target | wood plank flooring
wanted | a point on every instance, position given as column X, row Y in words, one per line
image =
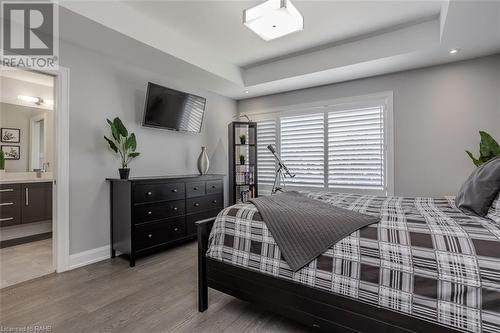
column 25, row 262
column 158, row 295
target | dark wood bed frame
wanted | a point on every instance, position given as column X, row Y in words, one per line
column 311, row 306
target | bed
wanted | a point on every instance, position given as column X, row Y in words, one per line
column 426, row 266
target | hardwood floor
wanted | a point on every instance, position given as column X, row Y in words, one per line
column 25, row 262
column 158, row 295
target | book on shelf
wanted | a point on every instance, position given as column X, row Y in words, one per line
column 246, row 193
column 245, row 178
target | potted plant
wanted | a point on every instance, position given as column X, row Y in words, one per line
column 2, row 164
column 488, row 149
column 123, row 143
column 242, row 159
column 243, row 139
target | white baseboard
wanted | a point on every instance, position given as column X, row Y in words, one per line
column 89, row 257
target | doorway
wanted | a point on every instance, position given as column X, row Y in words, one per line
column 33, row 237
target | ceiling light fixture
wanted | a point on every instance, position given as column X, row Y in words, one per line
column 246, row 91
column 30, row 99
column 453, row 51
column 273, row 19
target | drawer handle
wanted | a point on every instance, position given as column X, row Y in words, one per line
column 6, row 203
column 176, row 229
column 175, row 209
column 174, row 190
column 7, row 190
column 6, row 219
column 150, row 193
column 196, row 188
column 196, row 204
column 150, row 212
column 214, row 201
column 213, row 186
column 150, row 235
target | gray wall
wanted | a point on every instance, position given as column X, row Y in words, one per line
column 100, row 88
column 438, row 112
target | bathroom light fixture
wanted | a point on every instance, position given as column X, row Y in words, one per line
column 273, row 19
column 453, row 51
column 30, row 99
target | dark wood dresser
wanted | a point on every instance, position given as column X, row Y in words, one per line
column 150, row 214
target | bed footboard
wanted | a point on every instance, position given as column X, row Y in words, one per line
column 203, row 228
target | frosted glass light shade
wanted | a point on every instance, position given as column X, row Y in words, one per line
column 273, row 19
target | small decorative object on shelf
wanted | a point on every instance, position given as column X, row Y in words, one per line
column 242, row 161
column 203, row 161
column 122, row 143
column 2, row 165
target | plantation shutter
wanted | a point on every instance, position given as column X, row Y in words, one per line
column 266, row 166
column 302, row 148
column 356, row 148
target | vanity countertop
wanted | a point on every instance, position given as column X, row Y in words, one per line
column 26, row 177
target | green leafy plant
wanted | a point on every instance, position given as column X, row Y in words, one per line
column 488, row 149
column 242, row 159
column 122, row 142
column 2, row 160
column 243, row 139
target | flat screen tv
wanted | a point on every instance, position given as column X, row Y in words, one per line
column 174, row 110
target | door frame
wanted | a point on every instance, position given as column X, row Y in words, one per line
column 60, row 205
column 33, row 120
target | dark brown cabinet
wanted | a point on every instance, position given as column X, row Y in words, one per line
column 37, row 202
column 149, row 214
column 25, row 203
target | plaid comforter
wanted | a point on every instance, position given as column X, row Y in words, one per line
column 425, row 258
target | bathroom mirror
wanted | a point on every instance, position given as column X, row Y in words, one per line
column 37, row 143
column 27, row 137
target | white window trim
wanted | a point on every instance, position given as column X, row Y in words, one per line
column 384, row 99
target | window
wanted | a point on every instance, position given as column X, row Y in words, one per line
column 356, row 148
column 334, row 146
column 302, row 148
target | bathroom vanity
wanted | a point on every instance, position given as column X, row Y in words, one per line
column 27, row 202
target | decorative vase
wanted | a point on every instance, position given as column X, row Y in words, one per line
column 2, row 173
column 124, row 173
column 203, row 162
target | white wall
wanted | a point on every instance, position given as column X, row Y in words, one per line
column 100, row 88
column 438, row 112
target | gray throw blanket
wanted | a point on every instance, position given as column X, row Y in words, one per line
column 304, row 228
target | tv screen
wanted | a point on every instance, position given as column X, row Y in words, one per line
column 172, row 109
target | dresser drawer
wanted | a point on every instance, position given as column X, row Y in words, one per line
column 151, row 212
column 10, row 192
column 200, row 204
column 193, row 218
column 214, row 186
column 195, row 189
column 10, row 214
column 144, row 193
column 156, row 233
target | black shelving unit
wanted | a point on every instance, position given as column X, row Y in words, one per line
column 242, row 177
